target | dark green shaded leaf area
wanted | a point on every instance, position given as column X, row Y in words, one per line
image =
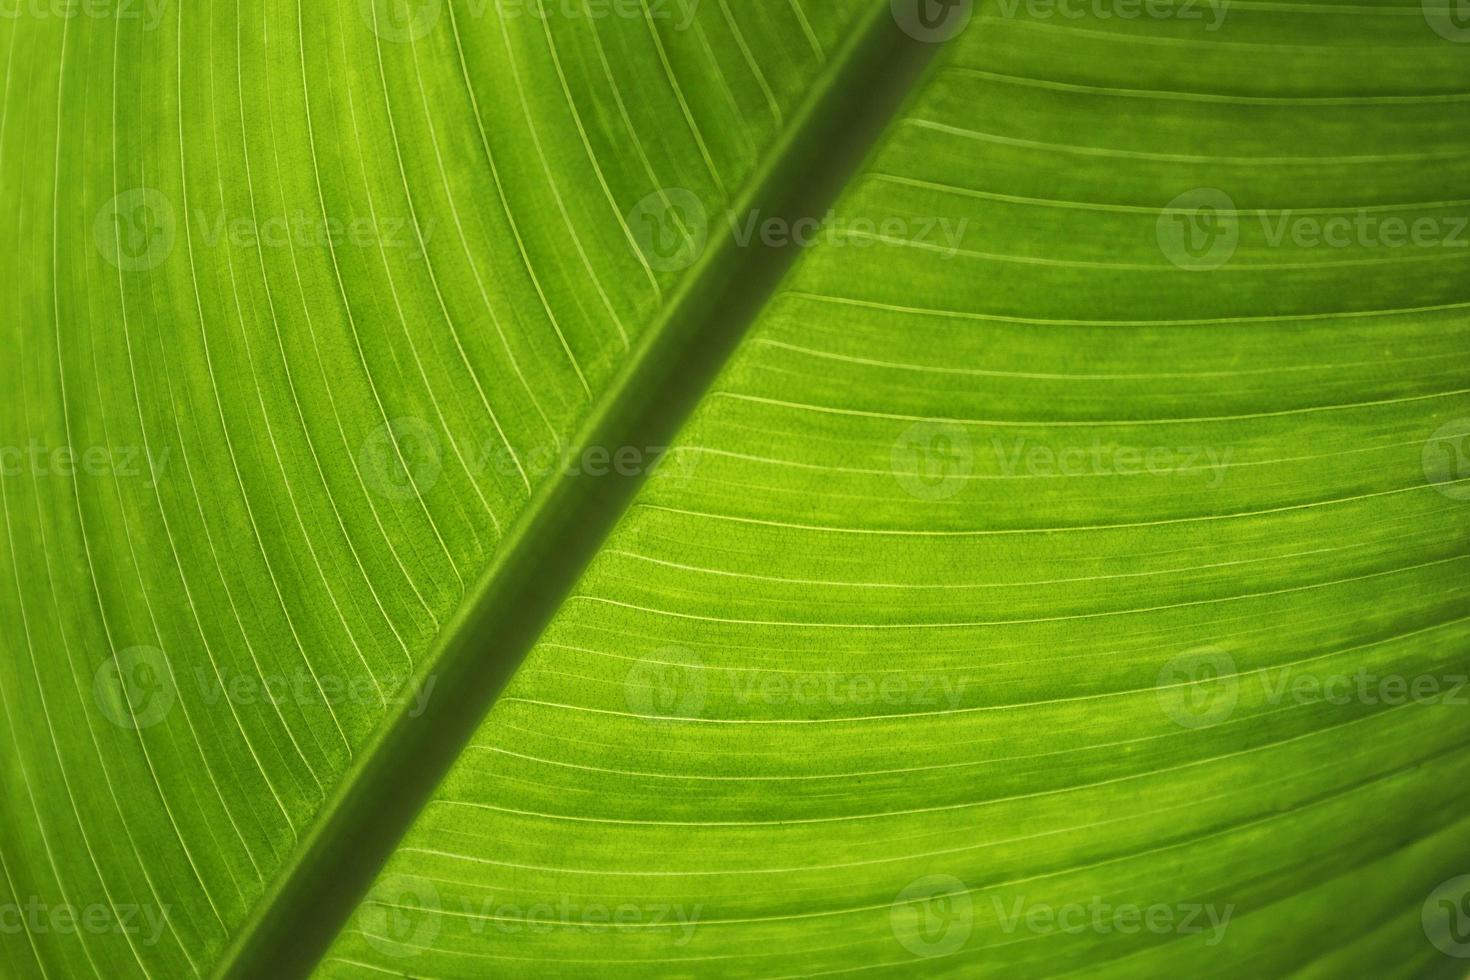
column 1068, row 572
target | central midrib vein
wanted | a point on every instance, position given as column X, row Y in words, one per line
column 562, row 528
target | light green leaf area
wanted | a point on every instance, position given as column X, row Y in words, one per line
column 1083, row 593
column 1066, row 574
column 303, row 302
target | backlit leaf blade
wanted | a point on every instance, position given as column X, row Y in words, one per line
column 306, row 300
column 1045, row 599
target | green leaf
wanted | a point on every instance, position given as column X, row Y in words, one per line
column 1066, row 571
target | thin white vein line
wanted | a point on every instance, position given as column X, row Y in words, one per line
column 957, row 646
column 948, row 807
column 951, row 252
column 361, row 155
column 143, row 430
column 372, row 384
column 1020, row 705
column 549, row 173
column 4, row 867
column 505, row 208
column 255, row 376
column 1152, row 210
column 371, row 966
column 194, row 490
column 35, row 671
column 634, row 141
column 1321, row 799
column 290, row 376
column 444, row 181
column 899, row 532
column 107, row 629
column 470, row 259
column 1121, row 154
column 1053, row 376
column 1218, row 97
column 1292, row 778
column 55, row 592
column 1003, row 622
column 1085, row 423
column 1033, row 321
column 717, row 72
column 806, row 28
column 750, row 62
column 959, row 586
column 194, row 740
column 225, row 428
column 967, row 672
column 304, row 428
column 1001, row 477
column 596, row 164
column 678, row 93
column 383, row 89
column 1259, row 821
column 1163, row 41
column 24, row 775
column 61, row 618
column 76, row 495
column 743, row 488
column 346, row 448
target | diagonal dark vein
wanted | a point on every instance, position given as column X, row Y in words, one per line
column 547, row 549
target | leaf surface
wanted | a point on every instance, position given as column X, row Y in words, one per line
column 907, row 666
column 1056, row 543
column 308, row 302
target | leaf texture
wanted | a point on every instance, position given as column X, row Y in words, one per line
column 918, row 640
column 1081, row 528
column 307, row 301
